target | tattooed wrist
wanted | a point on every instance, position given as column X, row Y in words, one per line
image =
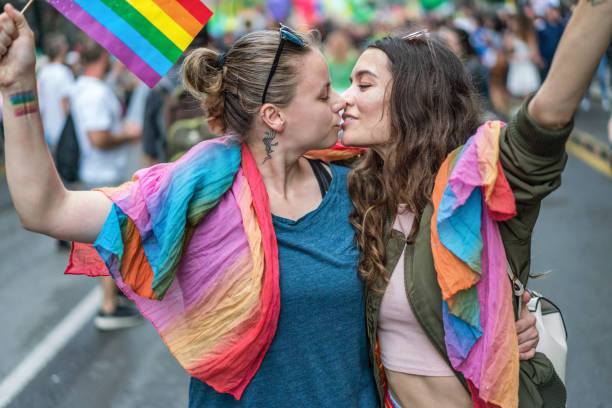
column 596, row 3
column 24, row 103
column 268, row 142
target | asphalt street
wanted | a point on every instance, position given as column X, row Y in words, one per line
column 132, row 368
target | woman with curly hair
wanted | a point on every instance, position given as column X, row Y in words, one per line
column 444, row 211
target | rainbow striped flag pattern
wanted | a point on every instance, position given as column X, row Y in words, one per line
column 24, row 103
column 148, row 36
column 470, row 195
column 192, row 244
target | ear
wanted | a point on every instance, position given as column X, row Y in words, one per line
column 273, row 117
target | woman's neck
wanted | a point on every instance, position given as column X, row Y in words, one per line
column 290, row 182
column 280, row 169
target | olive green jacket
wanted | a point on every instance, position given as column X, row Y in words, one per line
column 533, row 159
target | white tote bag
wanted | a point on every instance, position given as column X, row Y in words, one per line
column 552, row 331
column 550, row 325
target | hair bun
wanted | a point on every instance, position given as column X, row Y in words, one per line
column 204, row 80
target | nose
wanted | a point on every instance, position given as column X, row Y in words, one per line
column 347, row 96
column 338, row 103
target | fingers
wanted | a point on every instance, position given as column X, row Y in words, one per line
column 17, row 17
column 5, row 37
column 528, row 355
column 527, row 333
column 528, row 339
column 526, row 321
column 7, row 25
column 528, row 345
column 525, row 299
column 8, row 32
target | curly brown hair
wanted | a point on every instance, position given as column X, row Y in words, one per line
column 433, row 110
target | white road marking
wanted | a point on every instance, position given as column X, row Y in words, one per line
column 44, row 351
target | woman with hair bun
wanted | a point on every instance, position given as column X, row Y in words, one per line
column 444, row 211
column 240, row 253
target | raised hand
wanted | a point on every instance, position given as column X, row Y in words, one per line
column 17, row 55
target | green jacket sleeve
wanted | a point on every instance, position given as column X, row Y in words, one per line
column 532, row 158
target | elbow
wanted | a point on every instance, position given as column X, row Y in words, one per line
column 549, row 115
column 28, row 224
column 39, row 226
column 97, row 143
column 99, row 139
column 41, row 218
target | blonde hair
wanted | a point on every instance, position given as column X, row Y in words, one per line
column 231, row 94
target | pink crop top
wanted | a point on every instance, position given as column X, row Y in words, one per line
column 404, row 346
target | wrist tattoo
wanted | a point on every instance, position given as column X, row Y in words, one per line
column 596, row 3
column 268, row 139
column 24, row 103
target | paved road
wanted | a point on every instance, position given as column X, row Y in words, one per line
column 132, row 368
column 594, row 121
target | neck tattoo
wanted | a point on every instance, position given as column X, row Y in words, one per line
column 267, row 140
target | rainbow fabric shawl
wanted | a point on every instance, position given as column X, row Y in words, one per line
column 471, row 194
column 193, row 245
column 148, row 36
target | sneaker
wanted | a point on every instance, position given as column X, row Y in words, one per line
column 125, row 301
column 122, row 318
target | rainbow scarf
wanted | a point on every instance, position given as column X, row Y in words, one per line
column 193, row 245
column 470, row 195
column 148, row 36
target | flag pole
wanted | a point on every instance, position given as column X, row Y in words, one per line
column 26, row 6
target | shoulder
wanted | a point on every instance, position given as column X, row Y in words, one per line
column 92, row 89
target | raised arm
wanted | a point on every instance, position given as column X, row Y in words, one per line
column 584, row 41
column 42, row 202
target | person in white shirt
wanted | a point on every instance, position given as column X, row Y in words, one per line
column 54, row 83
column 103, row 140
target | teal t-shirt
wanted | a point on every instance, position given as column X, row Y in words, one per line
column 319, row 356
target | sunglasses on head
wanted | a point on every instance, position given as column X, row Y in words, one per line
column 286, row 34
column 417, row 35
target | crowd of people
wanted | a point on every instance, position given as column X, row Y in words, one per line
column 205, row 242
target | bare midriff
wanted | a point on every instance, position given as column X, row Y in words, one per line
column 411, row 390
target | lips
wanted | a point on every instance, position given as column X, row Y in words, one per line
column 348, row 117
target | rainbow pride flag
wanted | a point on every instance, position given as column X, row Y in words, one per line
column 148, row 36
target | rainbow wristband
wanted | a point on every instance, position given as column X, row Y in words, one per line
column 24, row 103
